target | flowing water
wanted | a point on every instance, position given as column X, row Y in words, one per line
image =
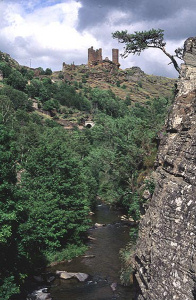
column 103, row 264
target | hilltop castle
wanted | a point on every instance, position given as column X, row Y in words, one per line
column 95, row 57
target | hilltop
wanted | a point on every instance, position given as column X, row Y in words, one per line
column 127, row 86
column 130, row 83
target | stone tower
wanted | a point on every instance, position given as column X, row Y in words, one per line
column 115, row 55
column 94, row 56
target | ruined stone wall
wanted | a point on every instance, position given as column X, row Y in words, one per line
column 94, row 56
column 165, row 257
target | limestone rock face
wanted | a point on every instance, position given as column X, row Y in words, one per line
column 187, row 82
column 165, row 258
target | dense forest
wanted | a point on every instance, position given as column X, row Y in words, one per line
column 51, row 178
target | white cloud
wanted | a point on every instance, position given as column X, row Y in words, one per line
column 44, row 32
column 151, row 61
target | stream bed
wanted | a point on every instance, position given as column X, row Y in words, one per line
column 101, row 262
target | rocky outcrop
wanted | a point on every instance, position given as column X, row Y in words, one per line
column 187, row 81
column 165, row 259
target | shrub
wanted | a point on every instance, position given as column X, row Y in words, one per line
column 48, row 71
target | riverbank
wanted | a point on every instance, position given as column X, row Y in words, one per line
column 101, row 262
column 100, row 265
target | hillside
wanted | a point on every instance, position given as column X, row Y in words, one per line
column 130, row 83
column 129, row 86
column 53, row 177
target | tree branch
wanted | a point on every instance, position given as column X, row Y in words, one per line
column 139, row 41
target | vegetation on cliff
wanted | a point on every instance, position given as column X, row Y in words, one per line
column 141, row 40
column 51, row 177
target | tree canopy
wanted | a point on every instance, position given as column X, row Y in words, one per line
column 138, row 41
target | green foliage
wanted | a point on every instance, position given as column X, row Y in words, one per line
column 36, row 118
column 67, row 95
column 48, row 71
column 134, row 231
column 16, row 80
column 128, row 100
column 5, row 68
column 61, row 76
column 140, row 40
column 55, row 177
column 84, row 79
column 68, row 253
column 127, row 269
column 18, row 98
column 9, row 215
column 8, row 288
column 33, row 89
column 6, row 110
column 51, row 123
column 44, row 210
column 48, row 210
column 107, row 102
column 42, row 89
column 51, row 104
column 122, row 149
column 41, row 71
column 28, row 74
column 118, row 83
column 80, row 85
column 134, row 206
column 47, row 81
column 150, row 185
column 43, row 94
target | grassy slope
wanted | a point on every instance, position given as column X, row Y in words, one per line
column 131, row 82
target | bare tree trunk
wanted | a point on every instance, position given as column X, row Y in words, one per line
column 174, row 62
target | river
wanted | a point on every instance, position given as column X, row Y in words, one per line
column 103, row 264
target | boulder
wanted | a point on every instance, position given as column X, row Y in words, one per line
column 68, row 275
column 113, row 286
column 98, row 225
column 146, row 194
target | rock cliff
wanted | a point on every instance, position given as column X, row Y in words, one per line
column 165, row 258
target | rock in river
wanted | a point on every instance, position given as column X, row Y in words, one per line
column 41, row 294
column 68, row 275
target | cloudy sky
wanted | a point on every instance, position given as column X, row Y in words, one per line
column 46, row 33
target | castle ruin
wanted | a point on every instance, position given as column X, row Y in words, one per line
column 95, row 57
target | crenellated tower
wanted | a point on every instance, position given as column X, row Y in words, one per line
column 95, row 58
